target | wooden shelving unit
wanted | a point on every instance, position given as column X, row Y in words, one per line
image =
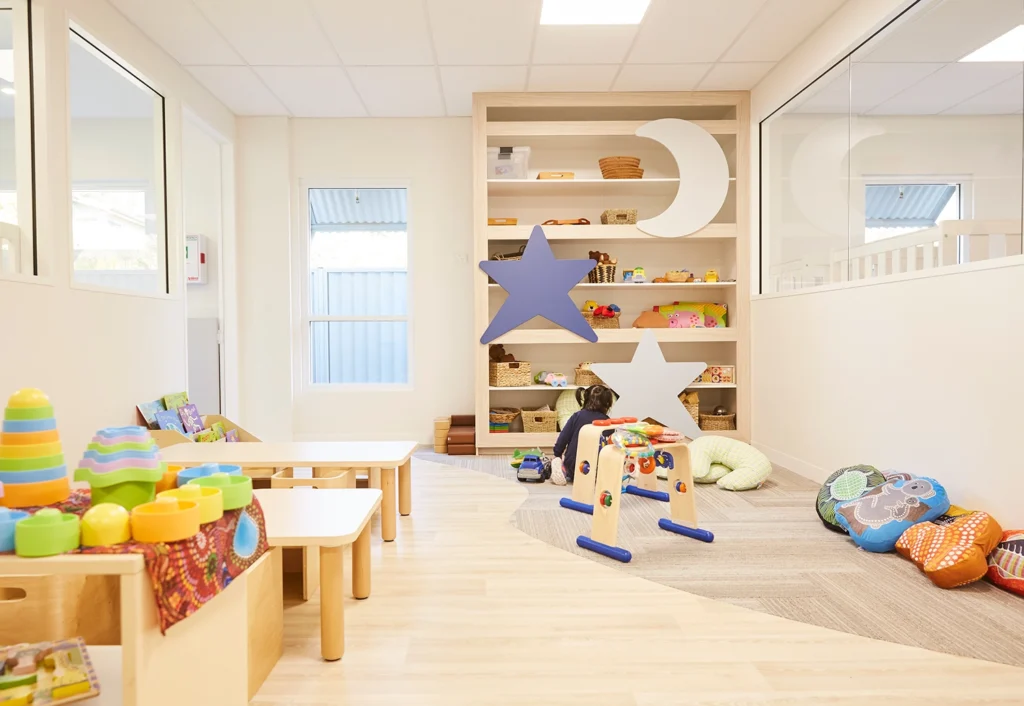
column 571, row 132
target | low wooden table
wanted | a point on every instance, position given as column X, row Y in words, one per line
column 384, row 457
column 330, row 520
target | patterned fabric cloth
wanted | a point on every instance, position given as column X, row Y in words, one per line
column 189, row 573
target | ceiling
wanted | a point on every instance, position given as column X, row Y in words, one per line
column 914, row 68
column 412, row 58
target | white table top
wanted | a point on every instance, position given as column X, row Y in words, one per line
column 317, row 454
column 308, row 517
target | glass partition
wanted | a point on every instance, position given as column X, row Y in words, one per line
column 17, row 231
column 905, row 157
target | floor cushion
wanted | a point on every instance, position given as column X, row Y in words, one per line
column 1006, row 562
column 845, row 484
column 952, row 553
column 566, row 406
column 731, row 463
column 877, row 519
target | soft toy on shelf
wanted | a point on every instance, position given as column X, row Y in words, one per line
column 711, row 276
column 498, row 355
column 606, row 312
column 554, row 379
column 589, row 306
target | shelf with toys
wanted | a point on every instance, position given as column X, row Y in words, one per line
column 574, row 164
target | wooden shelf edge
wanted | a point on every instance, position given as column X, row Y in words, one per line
column 627, row 335
column 713, row 231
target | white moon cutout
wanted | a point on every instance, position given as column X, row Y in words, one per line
column 703, row 177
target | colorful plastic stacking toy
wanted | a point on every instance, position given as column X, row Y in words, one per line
column 209, row 500
column 105, row 525
column 207, row 469
column 170, row 479
column 166, row 520
column 32, row 466
column 46, row 533
column 237, row 490
column 9, row 518
column 122, row 465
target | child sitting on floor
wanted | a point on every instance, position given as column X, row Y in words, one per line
column 596, row 401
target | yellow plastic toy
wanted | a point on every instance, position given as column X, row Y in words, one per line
column 589, row 306
column 105, row 524
column 165, row 520
column 711, row 276
column 209, row 500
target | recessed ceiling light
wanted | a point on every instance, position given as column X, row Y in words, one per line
column 1009, row 47
column 593, row 12
column 7, row 90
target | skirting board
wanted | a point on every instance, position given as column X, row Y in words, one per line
column 792, row 463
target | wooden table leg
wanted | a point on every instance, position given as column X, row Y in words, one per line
column 332, row 607
column 373, row 478
column 361, row 564
column 387, row 504
column 405, row 488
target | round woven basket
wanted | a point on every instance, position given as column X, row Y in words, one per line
column 601, row 321
column 612, row 162
column 623, row 173
column 602, row 274
column 718, row 422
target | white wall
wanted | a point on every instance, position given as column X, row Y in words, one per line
column 58, row 338
column 921, row 375
column 433, row 157
column 201, row 186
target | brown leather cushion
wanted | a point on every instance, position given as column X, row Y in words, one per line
column 463, row 420
column 461, row 435
column 461, row 449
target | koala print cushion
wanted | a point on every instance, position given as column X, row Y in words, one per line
column 876, row 519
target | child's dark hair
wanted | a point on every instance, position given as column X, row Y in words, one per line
column 596, row 398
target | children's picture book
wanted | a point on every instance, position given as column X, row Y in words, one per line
column 218, row 427
column 231, row 435
column 148, row 411
column 175, row 400
column 190, row 418
column 205, row 436
column 169, row 419
column 47, row 673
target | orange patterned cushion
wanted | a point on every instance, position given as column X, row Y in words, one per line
column 954, row 553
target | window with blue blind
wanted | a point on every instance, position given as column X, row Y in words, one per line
column 358, row 287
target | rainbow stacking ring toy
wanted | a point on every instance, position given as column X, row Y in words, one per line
column 32, row 468
column 122, row 465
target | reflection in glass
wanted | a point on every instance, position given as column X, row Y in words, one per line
column 117, row 174
column 16, row 229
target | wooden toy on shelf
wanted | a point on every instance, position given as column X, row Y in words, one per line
column 105, row 525
column 599, row 485
column 32, row 468
column 47, row 673
column 556, row 175
column 122, row 465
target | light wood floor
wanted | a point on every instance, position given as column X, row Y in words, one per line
column 468, row 611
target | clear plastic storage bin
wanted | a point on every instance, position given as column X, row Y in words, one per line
column 508, row 162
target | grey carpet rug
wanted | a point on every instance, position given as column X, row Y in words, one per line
column 772, row 554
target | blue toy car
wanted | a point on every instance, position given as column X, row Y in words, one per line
column 532, row 470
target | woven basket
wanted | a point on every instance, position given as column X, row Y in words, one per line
column 601, row 321
column 622, row 173
column 602, row 274
column 619, row 216
column 540, row 421
column 618, row 162
column 500, row 419
column 678, row 276
column 718, row 422
column 691, row 400
column 586, row 378
column 516, row 374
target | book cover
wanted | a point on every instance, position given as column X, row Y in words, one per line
column 148, row 410
column 190, row 418
column 49, row 673
column 175, row 400
column 218, row 427
column 205, row 436
column 231, row 435
column 169, row 419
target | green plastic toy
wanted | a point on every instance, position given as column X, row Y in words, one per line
column 517, row 456
column 46, row 533
column 237, row 490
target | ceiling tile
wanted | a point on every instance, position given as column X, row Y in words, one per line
column 1006, row 98
column 779, row 28
column 563, row 44
column 660, row 77
column 690, row 31
column 949, row 86
column 874, row 84
column 313, row 91
column 240, row 89
column 571, row 78
column 483, row 32
column 398, row 91
column 378, row 33
column 735, row 77
column 181, row 30
column 271, row 32
column 946, row 32
column 461, row 82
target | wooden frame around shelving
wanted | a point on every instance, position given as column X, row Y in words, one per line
column 585, row 117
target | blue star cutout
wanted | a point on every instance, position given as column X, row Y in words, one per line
column 538, row 285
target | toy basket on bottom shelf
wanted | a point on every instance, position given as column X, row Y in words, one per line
column 540, row 421
column 501, row 419
column 597, row 322
column 718, row 422
column 691, row 400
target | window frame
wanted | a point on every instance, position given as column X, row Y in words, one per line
column 24, row 143
column 301, row 340
column 160, row 179
column 964, row 183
